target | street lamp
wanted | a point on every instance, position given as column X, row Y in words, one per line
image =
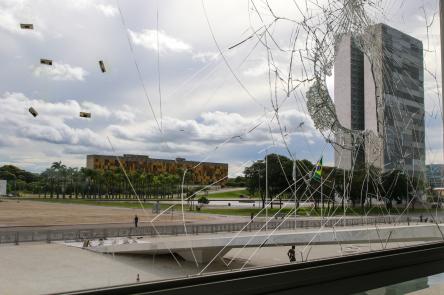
column 266, row 185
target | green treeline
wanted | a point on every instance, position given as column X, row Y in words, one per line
column 360, row 186
column 60, row 181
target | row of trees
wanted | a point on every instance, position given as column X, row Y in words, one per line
column 360, row 186
column 60, row 181
column 17, row 178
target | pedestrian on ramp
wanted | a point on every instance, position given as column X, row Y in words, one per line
column 136, row 220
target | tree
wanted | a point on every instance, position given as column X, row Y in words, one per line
column 255, row 179
column 279, row 173
column 89, row 177
column 7, row 170
column 203, row 200
column 238, row 181
column 395, row 186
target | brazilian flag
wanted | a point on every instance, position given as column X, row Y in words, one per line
column 318, row 172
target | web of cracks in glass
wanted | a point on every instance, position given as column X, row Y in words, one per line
column 312, row 44
column 298, row 68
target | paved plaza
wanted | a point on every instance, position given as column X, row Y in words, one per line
column 39, row 268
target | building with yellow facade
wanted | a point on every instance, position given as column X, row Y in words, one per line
column 205, row 173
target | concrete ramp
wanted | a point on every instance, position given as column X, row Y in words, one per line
column 207, row 246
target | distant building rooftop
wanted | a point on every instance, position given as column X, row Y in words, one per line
column 200, row 172
column 148, row 158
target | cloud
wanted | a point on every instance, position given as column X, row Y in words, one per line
column 95, row 109
column 125, row 116
column 260, row 67
column 213, row 128
column 257, row 70
column 60, row 72
column 63, row 134
column 12, row 13
column 207, row 56
column 52, row 125
column 148, row 39
column 59, row 133
column 107, row 10
column 8, row 21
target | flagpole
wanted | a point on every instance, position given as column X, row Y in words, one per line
column 266, row 191
column 343, row 193
column 322, row 201
column 295, row 201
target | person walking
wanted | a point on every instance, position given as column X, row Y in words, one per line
column 136, row 221
column 292, row 254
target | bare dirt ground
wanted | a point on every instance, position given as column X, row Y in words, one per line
column 34, row 213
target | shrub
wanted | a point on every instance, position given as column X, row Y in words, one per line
column 203, row 200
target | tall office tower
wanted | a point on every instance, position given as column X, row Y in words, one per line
column 349, row 101
column 393, row 108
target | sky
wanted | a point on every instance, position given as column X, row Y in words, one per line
column 172, row 88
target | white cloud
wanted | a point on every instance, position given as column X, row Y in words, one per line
column 95, row 109
column 203, row 90
column 60, row 71
column 148, row 39
column 257, row 70
column 260, row 67
column 207, row 56
column 212, row 128
column 12, row 13
column 53, row 123
column 49, row 126
column 63, row 134
column 107, row 10
column 125, row 116
column 8, row 21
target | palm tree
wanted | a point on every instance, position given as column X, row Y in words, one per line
column 108, row 179
column 56, row 165
column 118, row 183
column 49, row 178
column 63, row 172
column 89, row 177
column 60, row 174
column 73, row 176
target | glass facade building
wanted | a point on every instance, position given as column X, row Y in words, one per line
column 393, row 108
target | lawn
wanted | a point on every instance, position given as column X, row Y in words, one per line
column 302, row 211
column 229, row 195
column 271, row 212
column 307, row 211
column 222, row 195
column 134, row 205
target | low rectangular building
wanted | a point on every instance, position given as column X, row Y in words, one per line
column 435, row 175
column 205, row 173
